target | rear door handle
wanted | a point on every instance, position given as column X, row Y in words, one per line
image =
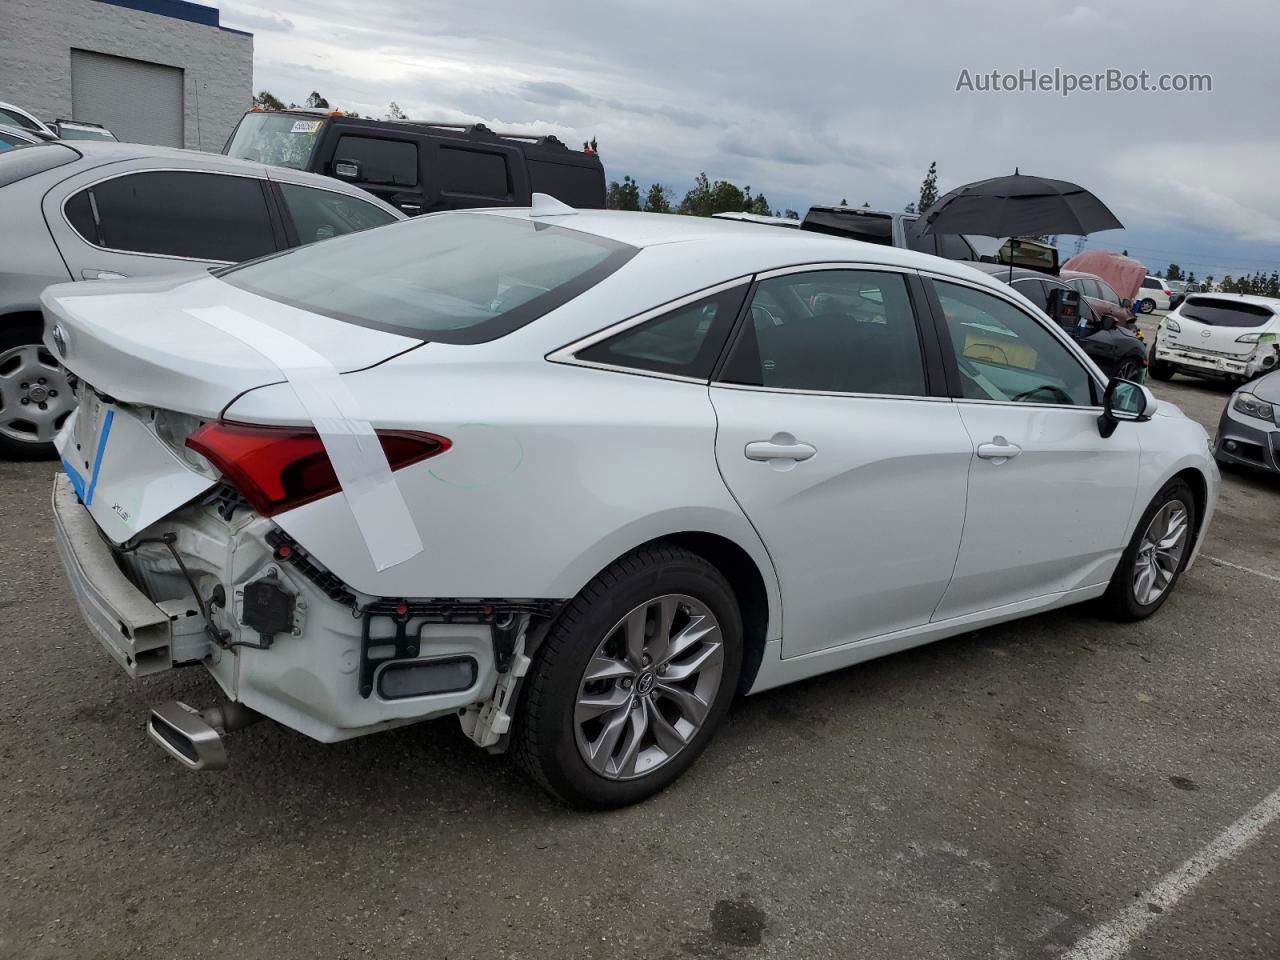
column 998, row 449
column 781, row 447
column 102, row 275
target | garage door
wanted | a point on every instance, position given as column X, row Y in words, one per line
column 137, row 101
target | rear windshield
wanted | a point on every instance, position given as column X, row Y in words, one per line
column 452, row 278
column 1225, row 313
column 22, row 162
column 867, row 227
column 280, row 139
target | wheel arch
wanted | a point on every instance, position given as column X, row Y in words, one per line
column 1200, row 493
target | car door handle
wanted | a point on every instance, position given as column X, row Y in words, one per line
column 777, row 449
column 998, row 449
column 411, row 207
column 102, row 275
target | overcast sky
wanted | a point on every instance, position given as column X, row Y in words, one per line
column 817, row 102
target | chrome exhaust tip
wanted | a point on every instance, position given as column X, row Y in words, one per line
column 187, row 736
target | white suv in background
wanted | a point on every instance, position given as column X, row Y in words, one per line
column 1154, row 294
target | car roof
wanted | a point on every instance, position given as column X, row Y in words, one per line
column 1000, row 271
column 101, row 152
column 755, row 248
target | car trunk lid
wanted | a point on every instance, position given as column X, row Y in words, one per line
column 144, row 342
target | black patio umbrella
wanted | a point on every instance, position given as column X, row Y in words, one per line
column 1018, row 206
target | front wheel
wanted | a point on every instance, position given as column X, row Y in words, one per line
column 632, row 681
column 35, row 398
column 1148, row 305
column 1161, row 545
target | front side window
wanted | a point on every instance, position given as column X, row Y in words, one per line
column 684, row 342
column 1034, row 291
column 1005, row 355
column 452, row 278
column 323, row 214
column 17, row 120
column 391, row 163
column 831, row 331
column 173, row 213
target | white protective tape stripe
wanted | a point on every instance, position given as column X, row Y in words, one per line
column 358, row 459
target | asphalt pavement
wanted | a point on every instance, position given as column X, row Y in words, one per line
column 1046, row 788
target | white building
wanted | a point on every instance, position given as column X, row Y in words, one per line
column 152, row 71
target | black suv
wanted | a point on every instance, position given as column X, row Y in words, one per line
column 422, row 167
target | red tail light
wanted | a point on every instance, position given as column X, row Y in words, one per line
column 279, row 468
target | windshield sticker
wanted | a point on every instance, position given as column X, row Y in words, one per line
column 305, row 126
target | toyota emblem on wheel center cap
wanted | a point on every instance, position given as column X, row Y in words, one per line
column 645, row 683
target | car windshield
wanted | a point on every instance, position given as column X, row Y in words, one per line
column 455, row 278
column 280, row 139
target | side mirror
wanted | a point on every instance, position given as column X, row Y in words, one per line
column 1064, row 308
column 346, row 169
column 1125, row 402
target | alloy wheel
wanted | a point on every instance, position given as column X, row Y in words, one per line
column 35, row 398
column 649, row 687
column 1160, row 552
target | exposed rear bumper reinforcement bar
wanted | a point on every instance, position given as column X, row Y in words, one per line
column 195, row 738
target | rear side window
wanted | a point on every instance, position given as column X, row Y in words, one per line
column 474, row 172
column 1034, row 291
column 956, row 247
column 451, row 278
column 323, row 214
column 581, row 187
column 392, row 163
column 20, row 163
column 1225, row 313
column 1151, row 283
column 170, row 213
column 831, row 331
column 684, row 342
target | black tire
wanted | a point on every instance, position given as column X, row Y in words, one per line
column 1148, row 305
column 1120, row 601
column 1158, row 369
column 13, row 335
column 544, row 739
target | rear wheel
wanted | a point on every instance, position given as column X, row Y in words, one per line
column 1158, row 369
column 1148, row 305
column 1161, row 545
column 35, row 399
column 632, row 681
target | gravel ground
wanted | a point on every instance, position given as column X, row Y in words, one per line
column 996, row 795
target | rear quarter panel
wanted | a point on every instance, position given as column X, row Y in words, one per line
column 555, row 471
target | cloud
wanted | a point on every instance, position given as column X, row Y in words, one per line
column 816, row 100
column 254, row 20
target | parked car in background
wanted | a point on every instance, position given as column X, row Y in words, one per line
column 1181, row 290
column 1154, row 294
column 108, row 210
column 14, row 116
column 1114, row 347
column 728, row 428
column 1101, row 297
column 1222, row 335
column 886, row 228
column 1249, row 429
column 82, row 130
column 422, row 167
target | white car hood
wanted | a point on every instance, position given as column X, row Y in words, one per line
column 142, row 342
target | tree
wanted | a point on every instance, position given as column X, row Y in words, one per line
column 757, row 204
column 624, row 195
column 1208, row 282
column 844, row 202
column 1174, row 272
column 791, row 214
column 395, row 113
column 929, row 188
column 268, row 101
column 657, row 200
column 1191, row 276
column 909, row 208
column 315, row 101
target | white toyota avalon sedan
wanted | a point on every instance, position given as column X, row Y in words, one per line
column 578, row 478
